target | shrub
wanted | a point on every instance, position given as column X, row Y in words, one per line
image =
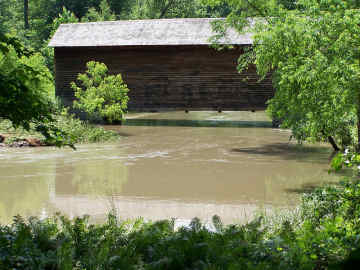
column 71, row 131
column 82, row 131
column 101, row 94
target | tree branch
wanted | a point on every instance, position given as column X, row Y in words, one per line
column 258, row 10
column 163, row 12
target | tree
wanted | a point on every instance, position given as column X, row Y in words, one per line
column 24, row 84
column 158, row 9
column 104, row 13
column 101, row 94
column 26, row 14
column 65, row 17
column 121, row 8
column 79, row 8
column 313, row 52
column 219, row 10
column 27, row 91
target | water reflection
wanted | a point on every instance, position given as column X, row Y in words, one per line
column 162, row 172
column 25, row 189
column 196, row 123
column 99, row 177
column 199, row 119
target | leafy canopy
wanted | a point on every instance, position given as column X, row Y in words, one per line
column 313, row 52
column 100, row 93
column 27, row 91
column 104, row 14
column 25, row 83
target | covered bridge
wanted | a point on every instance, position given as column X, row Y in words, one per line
column 167, row 64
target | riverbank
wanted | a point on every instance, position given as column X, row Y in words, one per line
column 79, row 132
column 323, row 234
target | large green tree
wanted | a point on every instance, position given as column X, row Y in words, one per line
column 313, row 52
column 25, row 84
column 27, row 91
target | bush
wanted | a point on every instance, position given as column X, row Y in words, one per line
column 71, row 130
column 101, row 94
column 82, row 131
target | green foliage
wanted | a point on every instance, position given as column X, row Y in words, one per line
column 313, row 53
column 45, row 15
column 104, row 13
column 42, row 13
column 27, row 98
column 64, row 17
column 215, row 10
column 348, row 159
column 27, row 91
column 101, row 94
column 324, row 236
column 26, row 85
column 83, row 132
column 5, row 13
column 76, row 131
column 157, row 9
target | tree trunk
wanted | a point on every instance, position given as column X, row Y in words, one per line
column 358, row 127
column 26, row 14
column 333, row 143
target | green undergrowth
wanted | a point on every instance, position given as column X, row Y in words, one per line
column 79, row 131
column 324, row 235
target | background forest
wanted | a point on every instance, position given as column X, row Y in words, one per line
column 35, row 21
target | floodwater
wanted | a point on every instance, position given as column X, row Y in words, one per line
column 167, row 165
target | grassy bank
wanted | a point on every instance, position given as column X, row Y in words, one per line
column 324, row 235
column 79, row 131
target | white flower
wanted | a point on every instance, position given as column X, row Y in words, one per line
column 347, row 162
column 359, row 167
column 346, row 151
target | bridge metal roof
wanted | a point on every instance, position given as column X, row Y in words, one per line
column 143, row 33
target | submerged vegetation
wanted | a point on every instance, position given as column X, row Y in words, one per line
column 324, row 235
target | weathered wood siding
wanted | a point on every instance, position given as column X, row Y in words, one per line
column 170, row 77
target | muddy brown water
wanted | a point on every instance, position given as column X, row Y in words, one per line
column 166, row 165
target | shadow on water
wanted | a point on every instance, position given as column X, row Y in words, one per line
column 196, row 123
column 289, row 151
column 308, row 187
column 124, row 134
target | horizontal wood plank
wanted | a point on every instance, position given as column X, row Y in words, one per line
column 170, row 77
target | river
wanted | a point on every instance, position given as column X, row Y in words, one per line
column 166, row 165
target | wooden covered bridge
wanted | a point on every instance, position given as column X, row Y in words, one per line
column 167, row 64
